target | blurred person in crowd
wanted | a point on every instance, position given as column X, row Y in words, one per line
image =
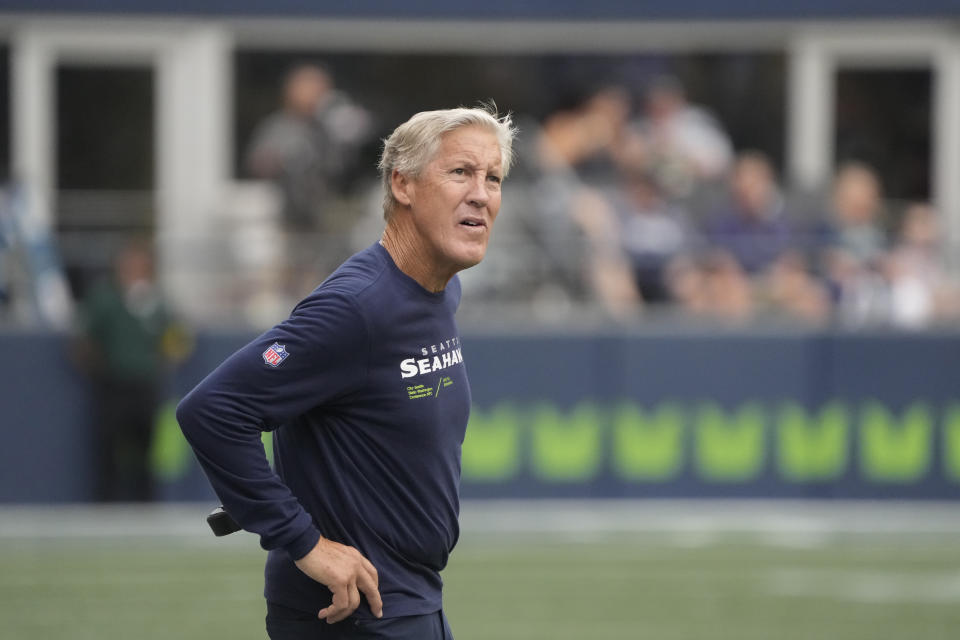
column 365, row 389
column 711, row 285
column 860, row 292
column 857, row 213
column 753, row 225
column 684, row 144
column 604, row 122
column 921, row 290
column 755, row 229
column 856, row 246
column 608, row 269
column 652, row 232
column 564, row 167
column 684, row 281
column 127, row 337
column 309, row 146
column 789, row 288
column 728, row 289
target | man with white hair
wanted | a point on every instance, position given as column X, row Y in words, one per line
column 365, row 389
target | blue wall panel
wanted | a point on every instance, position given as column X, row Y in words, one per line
column 46, row 444
column 645, row 415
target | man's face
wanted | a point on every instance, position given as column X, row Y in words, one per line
column 456, row 198
column 305, row 90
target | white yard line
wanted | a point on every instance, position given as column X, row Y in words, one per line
column 799, row 518
column 692, row 522
column 865, row 586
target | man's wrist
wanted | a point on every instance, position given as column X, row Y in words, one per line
column 303, row 544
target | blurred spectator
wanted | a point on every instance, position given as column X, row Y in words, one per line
column 33, row 285
column 727, row 287
column 571, row 221
column 685, row 281
column 607, row 268
column 541, row 248
column 652, row 233
column 126, row 337
column 854, row 256
column 712, row 285
column 789, row 289
column 309, row 149
column 684, row 143
column 857, row 213
column 921, row 291
column 753, row 226
column 609, row 140
column 308, row 146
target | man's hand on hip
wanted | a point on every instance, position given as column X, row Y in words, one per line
column 346, row 573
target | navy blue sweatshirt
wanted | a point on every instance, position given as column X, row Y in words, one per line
column 366, row 392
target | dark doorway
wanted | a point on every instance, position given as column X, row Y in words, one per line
column 105, row 150
column 884, row 119
column 105, row 128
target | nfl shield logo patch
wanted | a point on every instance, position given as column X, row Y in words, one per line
column 275, row 354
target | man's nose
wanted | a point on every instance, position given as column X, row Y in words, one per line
column 478, row 196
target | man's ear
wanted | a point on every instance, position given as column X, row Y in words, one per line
column 401, row 186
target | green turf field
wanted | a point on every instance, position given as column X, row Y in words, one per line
column 523, row 586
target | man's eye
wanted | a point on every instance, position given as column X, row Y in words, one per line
column 494, row 179
column 459, row 171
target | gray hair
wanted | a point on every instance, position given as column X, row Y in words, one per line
column 412, row 145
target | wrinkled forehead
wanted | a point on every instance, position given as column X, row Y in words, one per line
column 474, row 143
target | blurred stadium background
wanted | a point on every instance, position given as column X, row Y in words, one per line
column 713, row 348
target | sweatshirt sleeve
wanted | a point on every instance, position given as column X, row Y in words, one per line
column 314, row 357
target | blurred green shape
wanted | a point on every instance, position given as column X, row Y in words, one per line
column 566, row 447
column 647, row 445
column 267, row 439
column 169, row 451
column 951, row 442
column 491, row 448
column 729, row 449
column 893, row 451
column 811, row 447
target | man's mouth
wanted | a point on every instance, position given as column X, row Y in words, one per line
column 473, row 222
